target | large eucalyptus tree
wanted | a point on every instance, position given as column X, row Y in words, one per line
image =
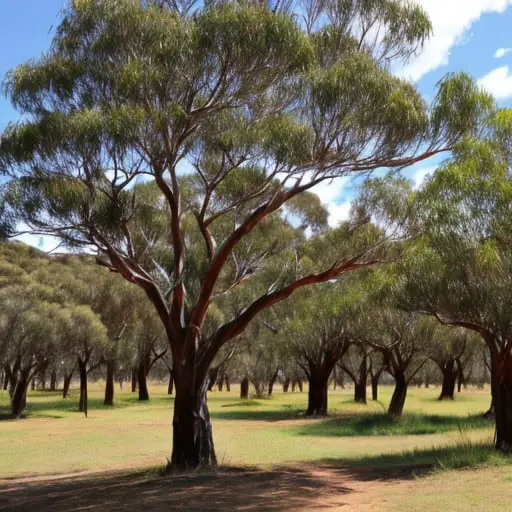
column 461, row 270
column 254, row 103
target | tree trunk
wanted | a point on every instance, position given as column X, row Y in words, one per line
column 142, row 382
column 170, row 385
column 192, row 431
column 213, row 373
column 82, row 404
column 228, row 384
column 272, row 382
column 220, row 383
column 299, row 384
column 109, row 383
column 19, row 397
column 501, row 387
column 318, row 392
column 286, row 385
column 42, row 379
column 259, row 387
column 134, row 380
column 375, row 385
column 396, row 406
column 360, row 392
column 33, row 385
column 449, row 381
column 65, row 386
column 360, row 385
column 5, row 383
column 53, row 380
column 244, row 388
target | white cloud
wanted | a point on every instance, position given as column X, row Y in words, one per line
column 333, row 195
column 338, row 212
column 501, row 52
column 451, row 19
column 43, row 243
column 498, row 82
column 419, row 176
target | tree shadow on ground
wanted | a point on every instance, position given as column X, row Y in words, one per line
column 418, row 462
column 279, row 489
column 378, row 424
column 331, row 483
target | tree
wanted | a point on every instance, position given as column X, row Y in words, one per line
column 400, row 337
column 136, row 90
column 447, row 351
column 317, row 336
column 460, row 271
column 355, row 364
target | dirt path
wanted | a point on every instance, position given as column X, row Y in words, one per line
column 304, row 488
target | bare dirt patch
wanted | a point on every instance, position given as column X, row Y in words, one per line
column 314, row 487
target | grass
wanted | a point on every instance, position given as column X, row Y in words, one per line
column 382, row 424
column 273, row 436
column 56, row 438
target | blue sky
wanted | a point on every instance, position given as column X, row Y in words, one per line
column 467, row 36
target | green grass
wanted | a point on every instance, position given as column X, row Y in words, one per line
column 382, row 424
column 462, row 454
column 432, row 440
column 56, row 438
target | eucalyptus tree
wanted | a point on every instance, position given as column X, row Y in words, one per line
column 135, row 90
column 400, row 337
column 460, row 271
column 258, row 356
column 146, row 339
column 318, row 336
column 447, row 351
column 376, row 369
column 356, row 364
column 28, row 329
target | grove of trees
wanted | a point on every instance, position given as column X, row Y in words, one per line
column 173, row 148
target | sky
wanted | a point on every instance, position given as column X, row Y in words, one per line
column 468, row 35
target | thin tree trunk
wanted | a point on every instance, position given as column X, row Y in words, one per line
column 375, row 385
column 360, row 385
column 170, row 385
column 53, row 380
column 244, row 388
column 228, row 384
column 396, row 406
column 33, row 385
column 42, row 379
column 6, row 379
column 82, row 404
column 449, row 381
column 300, row 385
column 213, row 373
column 318, row 392
column 286, row 385
column 66, row 384
column 19, row 398
column 220, row 383
column 109, row 383
column 142, row 382
column 272, row 382
column 134, row 380
column 192, row 431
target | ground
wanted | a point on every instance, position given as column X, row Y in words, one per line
column 272, row 458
